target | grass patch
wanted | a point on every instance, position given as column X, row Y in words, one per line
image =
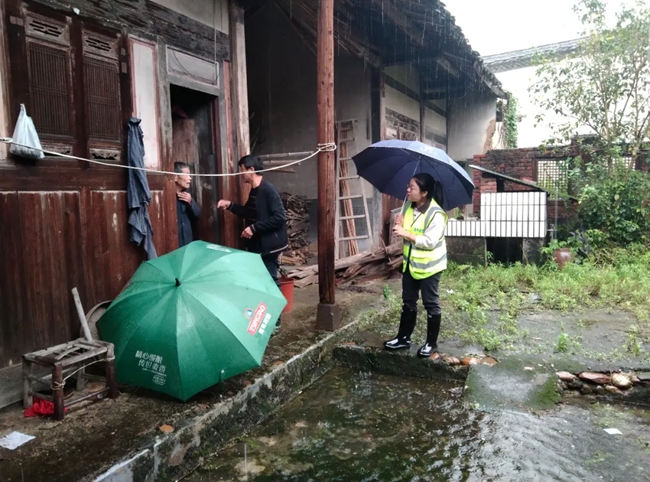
column 482, row 305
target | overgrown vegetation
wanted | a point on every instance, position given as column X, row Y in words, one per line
column 510, row 123
column 482, row 305
column 604, row 89
column 618, row 204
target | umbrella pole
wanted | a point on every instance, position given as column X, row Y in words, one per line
column 415, row 171
column 328, row 316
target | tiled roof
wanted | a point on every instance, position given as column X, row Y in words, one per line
column 519, row 59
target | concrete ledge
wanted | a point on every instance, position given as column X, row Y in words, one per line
column 160, row 458
column 402, row 363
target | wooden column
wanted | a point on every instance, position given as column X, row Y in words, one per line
column 328, row 316
column 240, row 133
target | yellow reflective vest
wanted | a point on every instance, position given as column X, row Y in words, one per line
column 421, row 262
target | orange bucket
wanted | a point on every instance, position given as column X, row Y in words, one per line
column 286, row 287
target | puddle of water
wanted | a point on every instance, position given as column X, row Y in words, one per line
column 368, row 427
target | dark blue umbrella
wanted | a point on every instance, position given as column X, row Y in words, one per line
column 390, row 165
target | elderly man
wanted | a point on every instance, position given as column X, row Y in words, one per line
column 187, row 211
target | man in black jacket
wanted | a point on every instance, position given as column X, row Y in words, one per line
column 187, row 211
column 264, row 215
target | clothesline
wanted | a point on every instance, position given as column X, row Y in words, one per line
column 327, row 147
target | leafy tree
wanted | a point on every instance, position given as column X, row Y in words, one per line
column 605, row 85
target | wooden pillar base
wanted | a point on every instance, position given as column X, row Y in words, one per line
column 328, row 317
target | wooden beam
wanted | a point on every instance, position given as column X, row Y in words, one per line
column 446, row 64
column 328, row 317
column 422, row 113
column 395, row 15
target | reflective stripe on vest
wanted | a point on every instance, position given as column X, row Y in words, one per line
column 423, row 262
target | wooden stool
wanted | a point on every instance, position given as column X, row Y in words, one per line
column 70, row 358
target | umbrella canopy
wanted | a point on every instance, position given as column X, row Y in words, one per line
column 390, row 165
column 191, row 318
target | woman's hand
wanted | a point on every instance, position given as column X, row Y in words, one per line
column 401, row 232
column 399, row 220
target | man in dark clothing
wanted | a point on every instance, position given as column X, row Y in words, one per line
column 264, row 215
column 187, row 211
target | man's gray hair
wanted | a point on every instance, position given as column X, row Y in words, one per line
column 179, row 166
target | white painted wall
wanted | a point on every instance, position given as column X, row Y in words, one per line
column 402, row 103
column 518, row 82
column 144, row 77
column 470, row 118
column 213, row 13
column 435, row 121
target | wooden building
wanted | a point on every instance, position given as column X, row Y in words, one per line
column 82, row 71
column 187, row 69
column 402, row 69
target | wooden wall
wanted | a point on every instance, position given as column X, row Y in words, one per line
column 54, row 240
column 63, row 223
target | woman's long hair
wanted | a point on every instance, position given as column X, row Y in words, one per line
column 433, row 188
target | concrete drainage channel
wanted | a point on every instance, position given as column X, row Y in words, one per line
column 167, row 456
column 511, row 384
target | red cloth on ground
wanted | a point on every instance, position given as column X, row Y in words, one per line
column 41, row 408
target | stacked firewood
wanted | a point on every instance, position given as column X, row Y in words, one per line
column 297, row 229
column 373, row 264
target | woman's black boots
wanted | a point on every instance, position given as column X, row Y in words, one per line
column 433, row 330
column 406, row 327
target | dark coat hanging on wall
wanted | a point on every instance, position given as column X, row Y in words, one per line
column 138, row 194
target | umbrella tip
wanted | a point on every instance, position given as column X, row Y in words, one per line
column 178, row 283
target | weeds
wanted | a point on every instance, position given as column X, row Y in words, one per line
column 482, row 305
column 567, row 343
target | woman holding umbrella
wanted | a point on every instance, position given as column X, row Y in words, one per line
column 422, row 226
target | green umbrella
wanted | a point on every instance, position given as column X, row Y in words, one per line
column 191, row 318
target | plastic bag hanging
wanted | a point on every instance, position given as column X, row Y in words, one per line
column 26, row 141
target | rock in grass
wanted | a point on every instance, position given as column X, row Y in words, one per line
column 488, row 360
column 597, row 378
column 619, row 380
column 470, row 360
column 566, row 376
column 612, row 389
column 451, row 360
column 574, row 384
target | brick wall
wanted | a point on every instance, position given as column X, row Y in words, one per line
column 520, row 164
column 523, row 164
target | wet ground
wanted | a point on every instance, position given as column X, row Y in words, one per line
column 368, row 427
column 507, row 414
column 96, row 436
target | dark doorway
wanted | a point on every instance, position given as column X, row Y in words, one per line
column 195, row 142
column 505, row 250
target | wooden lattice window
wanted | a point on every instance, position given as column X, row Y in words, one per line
column 71, row 77
column 101, row 71
column 49, row 88
column 49, row 70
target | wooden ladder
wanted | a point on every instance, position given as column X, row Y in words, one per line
column 346, row 219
